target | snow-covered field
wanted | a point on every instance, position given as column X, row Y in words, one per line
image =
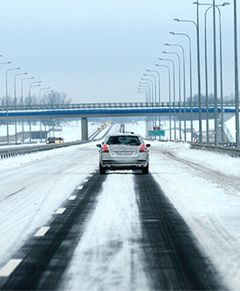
column 203, row 186
column 70, row 130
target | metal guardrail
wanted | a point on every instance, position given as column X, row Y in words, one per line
column 103, row 105
column 229, row 150
column 23, row 150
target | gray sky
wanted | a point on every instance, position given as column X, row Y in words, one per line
column 97, row 50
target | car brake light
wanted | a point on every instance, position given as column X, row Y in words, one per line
column 105, row 148
column 142, row 148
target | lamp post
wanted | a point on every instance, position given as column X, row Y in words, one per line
column 43, row 89
column 184, row 84
column 22, row 82
column 148, row 88
column 196, row 24
column 174, row 93
column 32, row 84
column 15, row 86
column 236, row 80
column 144, row 89
column 190, row 75
column 155, row 85
column 6, row 77
column 152, row 90
column 221, row 64
column 5, row 63
column 152, row 86
column 180, row 90
column 159, row 83
column 169, row 97
column 159, row 90
column 15, row 100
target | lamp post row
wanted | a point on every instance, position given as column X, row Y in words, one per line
column 31, row 85
column 218, row 135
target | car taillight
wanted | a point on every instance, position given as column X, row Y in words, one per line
column 142, row 148
column 105, row 148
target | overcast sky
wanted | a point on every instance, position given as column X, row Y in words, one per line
column 97, row 50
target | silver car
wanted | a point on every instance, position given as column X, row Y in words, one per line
column 123, row 151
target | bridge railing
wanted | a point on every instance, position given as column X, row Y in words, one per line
column 103, row 105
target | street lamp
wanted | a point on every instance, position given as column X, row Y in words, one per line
column 152, row 86
column 148, row 87
column 184, row 84
column 179, row 77
column 174, row 93
column 6, row 76
column 236, row 73
column 33, row 84
column 15, row 100
column 190, row 74
column 24, row 79
column 155, row 84
column 15, row 86
column 31, row 78
column 221, row 63
column 152, row 89
column 196, row 24
column 43, row 89
column 159, row 83
column 169, row 99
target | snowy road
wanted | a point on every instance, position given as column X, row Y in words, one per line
column 72, row 229
column 122, row 237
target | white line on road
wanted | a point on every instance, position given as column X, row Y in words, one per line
column 42, row 231
column 9, row 267
column 73, row 197
column 80, row 187
column 60, row 210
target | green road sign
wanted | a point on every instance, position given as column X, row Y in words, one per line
column 160, row 132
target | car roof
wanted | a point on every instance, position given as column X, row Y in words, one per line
column 123, row 134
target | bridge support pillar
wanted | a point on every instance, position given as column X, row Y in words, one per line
column 84, row 129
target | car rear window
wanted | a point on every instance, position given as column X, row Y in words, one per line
column 125, row 140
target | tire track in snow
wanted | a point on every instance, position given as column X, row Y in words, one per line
column 173, row 259
column 44, row 259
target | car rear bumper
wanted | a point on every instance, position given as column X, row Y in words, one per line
column 118, row 165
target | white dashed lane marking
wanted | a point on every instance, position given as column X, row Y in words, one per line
column 60, row 210
column 9, row 267
column 42, row 231
column 80, row 187
column 73, row 197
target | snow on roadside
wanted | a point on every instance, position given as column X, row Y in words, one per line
column 217, row 161
column 211, row 212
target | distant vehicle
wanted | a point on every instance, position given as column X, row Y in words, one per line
column 122, row 152
column 57, row 140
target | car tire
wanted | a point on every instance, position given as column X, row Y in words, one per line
column 102, row 170
column 145, row 170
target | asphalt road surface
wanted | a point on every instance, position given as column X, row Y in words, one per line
column 116, row 232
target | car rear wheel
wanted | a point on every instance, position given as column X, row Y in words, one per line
column 102, row 170
column 145, row 170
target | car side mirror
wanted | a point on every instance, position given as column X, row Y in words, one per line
column 98, row 145
column 148, row 145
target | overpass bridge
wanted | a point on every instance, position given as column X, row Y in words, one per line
column 177, row 111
